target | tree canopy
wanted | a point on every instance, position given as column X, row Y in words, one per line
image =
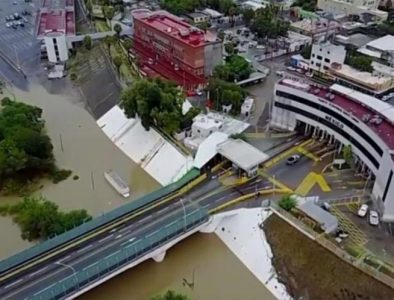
column 25, row 149
column 40, row 219
column 236, row 68
column 268, row 24
column 359, row 61
column 309, row 5
column 156, row 103
column 177, row 7
column 226, row 93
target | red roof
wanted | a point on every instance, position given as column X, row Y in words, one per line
column 385, row 130
column 57, row 16
column 174, row 26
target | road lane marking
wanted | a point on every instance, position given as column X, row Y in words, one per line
column 65, row 258
column 13, row 283
column 84, row 249
column 153, row 233
column 39, row 271
column 106, row 238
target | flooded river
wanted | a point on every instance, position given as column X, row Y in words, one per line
column 218, row 275
column 80, row 146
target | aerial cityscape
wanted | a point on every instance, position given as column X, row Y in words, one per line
column 197, row 149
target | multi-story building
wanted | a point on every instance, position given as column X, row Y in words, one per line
column 56, row 22
column 342, row 116
column 167, row 46
column 318, row 29
column 323, row 55
column 352, row 7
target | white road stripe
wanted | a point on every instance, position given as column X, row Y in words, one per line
column 39, row 271
column 64, row 258
column 86, row 248
column 12, row 284
column 152, row 233
column 106, row 238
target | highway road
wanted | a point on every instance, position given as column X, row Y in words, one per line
column 38, row 277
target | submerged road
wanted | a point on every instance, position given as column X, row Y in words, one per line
column 37, row 277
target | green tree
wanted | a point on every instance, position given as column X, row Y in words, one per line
column 117, row 62
column 248, row 15
column 287, row 202
column 155, row 102
column 309, row 5
column 128, row 44
column 225, row 93
column 221, row 35
column 268, row 24
column 347, row 153
column 170, row 295
column 109, row 40
column 87, row 42
column 230, row 49
column 40, row 219
column 89, row 6
column 108, row 12
column 360, row 62
column 117, row 29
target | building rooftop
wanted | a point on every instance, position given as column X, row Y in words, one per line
column 241, row 153
column 374, row 82
column 357, row 104
column 356, row 40
column 315, row 26
column 212, row 13
column 196, row 15
column 175, row 27
column 56, row 16
column 208, row 148
column 376, row 47
column 327, row 221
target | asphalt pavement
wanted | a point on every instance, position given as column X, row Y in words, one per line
column 43, row 275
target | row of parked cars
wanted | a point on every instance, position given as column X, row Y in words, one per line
column 16, row 19
column 373, row 216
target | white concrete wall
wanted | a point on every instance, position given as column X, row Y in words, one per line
column 335, row 54
column 287, row 120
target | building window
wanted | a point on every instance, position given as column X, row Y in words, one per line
column 321, row 49
column 327, row 60
column 312, row 62
column 319, row 57
column 313, row 55
column 318, row 65
column 328, row 52
column 325, row 68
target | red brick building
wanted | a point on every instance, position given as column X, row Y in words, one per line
column 166, row 46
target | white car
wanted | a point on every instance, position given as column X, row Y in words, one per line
column 199, row 92
column 362, row 211
column 280, row 73
column 291, row 69
column 373, row 218
column 293, row 159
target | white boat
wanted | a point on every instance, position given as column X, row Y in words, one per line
column 118, row 183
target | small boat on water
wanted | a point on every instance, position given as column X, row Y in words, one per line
column 118, row 183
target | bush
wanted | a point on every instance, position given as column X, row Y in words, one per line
column 73, row 76
column 75, row 177
column 287, row 203
column 60, row 175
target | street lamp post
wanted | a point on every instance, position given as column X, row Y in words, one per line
column 72, row 269
column 184, row 212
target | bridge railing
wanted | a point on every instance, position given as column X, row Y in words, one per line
column 123, row 256
column 98, row 221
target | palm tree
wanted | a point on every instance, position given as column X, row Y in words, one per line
column 170, row 295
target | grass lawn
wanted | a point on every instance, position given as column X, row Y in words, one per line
column 311, row 272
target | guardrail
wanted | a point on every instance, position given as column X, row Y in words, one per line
column 53, row 243
column 122, row 257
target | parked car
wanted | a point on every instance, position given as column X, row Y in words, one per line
column 199, row 92
column 8, row 25
column 293, row 159
column 373, row 218
column 362, row 211
column 309, row 74
column 280, row 73
column 291, row 69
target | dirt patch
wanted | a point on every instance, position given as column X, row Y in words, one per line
column 311, row 272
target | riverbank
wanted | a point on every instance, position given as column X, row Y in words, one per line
column 240, row 231
column 311, row 272
column 81, row 146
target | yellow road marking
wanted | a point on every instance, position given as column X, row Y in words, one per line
column 309, row 181
column 308, row 154
column 276, row 182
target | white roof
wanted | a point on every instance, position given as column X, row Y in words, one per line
column 241, row 153
column 213, row 13
column 327, row 221
column 369, row 52
column 149, row 149
column 385, row 109
column 207, row 149
column 186, row 105
column 362, row 77
column 253, row 5
column 384, row 43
